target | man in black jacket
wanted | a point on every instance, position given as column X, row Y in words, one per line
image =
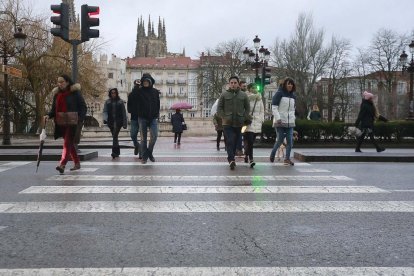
column 148, row 113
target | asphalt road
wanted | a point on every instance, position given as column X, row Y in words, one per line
column 189, row 214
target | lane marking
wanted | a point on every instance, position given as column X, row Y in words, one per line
column 3, row 227
column 403, row 191
column 210, row 271
column 12, row 165
column 201, row 190
column 313, row 170
column 212, row 163
column 199, row 178
column 205, row 206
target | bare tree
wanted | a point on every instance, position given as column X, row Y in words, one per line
column 304, row 58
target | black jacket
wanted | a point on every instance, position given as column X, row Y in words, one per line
column 115, row 117
column 177, row 120
column 366, row 115
column 148, row 99
column 132, row 104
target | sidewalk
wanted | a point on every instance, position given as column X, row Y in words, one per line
column 26, row 149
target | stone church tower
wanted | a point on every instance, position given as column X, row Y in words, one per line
column 149, row 44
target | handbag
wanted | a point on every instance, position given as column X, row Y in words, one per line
column 66, row 118
column 248, row 121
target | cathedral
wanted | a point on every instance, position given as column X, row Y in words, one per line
column 150, row 44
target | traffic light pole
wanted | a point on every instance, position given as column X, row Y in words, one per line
column 75, row 44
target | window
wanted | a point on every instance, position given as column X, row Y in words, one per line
column 110, row 75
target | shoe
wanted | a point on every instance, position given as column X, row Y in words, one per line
column 143, row 161
column 218, row 148
column 358, row 150
column 380, row 149
column 113, row 155
column 60, row 168
column 252, row 164
column 76, row 167
column 140, row 156
column 232, row 165
column 287, row 162
column 136, row 150
column 271, row 159
column 178, row 143
column 151, row 158
column 246, row 159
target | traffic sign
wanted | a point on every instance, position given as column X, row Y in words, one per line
column 12, row 71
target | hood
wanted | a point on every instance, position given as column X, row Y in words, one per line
column 73, row 88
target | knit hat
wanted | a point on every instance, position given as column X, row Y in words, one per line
column 367, row 96
column 147, row 77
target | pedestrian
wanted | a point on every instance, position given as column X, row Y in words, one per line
column 132, row 107
column 283, row 110
column 67, row 100
column 177, row 121
column 218, row 125
column 234, row 108
column 240, row 142
column 114, row 115
column 365, row 121
column 148, row 113
column 315, row 114
column 250, row 131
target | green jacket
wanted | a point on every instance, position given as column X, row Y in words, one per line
column 234, row 108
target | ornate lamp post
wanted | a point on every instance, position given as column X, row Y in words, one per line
column 5, row 53
column 258, row 60
column 409, row 67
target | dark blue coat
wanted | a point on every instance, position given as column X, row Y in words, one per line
column 177, row 120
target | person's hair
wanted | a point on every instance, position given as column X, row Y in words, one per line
column 241, row 82
column 234, row 77
column 117, row 93
column 289, row 80
column 250, row 85
column 66, row 78
column 177, row 110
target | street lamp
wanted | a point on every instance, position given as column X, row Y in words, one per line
column 258, row 60
column 409, row 67
column 19, row 38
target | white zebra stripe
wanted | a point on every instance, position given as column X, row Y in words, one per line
column 260, row 188
column 212, row 163
column 205, row 206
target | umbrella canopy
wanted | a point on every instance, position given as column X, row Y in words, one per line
column 181, row 105
column 214, row 108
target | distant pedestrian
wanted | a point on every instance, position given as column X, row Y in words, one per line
column 67, row 99
column 148, row 113
column 114, row 115
column 283, row 109
column 257, row 113
column 233, row 107
column 132, row 106
column 218, row 125
column 177, row 121
column 240, row 142
column 365, row 121
column 315, row 114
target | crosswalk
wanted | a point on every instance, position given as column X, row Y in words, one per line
column 101, row 179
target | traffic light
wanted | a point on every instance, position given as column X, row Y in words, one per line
column 266, row 75
column 61, row 20
column 259, row 85
column 88, row 22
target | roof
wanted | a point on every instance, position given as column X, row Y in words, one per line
column 163, row 62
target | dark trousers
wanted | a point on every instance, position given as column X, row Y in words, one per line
column 361, row 139
column 177, row 136
column 248, row 139
column 232, row 135
column 115, row 142
column 218, row 139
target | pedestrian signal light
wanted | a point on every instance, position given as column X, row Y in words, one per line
column 87, row 22
column 61, row 21
column 258, row 83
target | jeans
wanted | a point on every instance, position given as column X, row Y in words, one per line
column 134, row 132
column 248, row 138
column 232, row 135
column 152, row 125
column 115, row 142
column 282, row 133
column 218, row 139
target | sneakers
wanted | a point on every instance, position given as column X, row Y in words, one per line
column 143, row 161
column 232, row 165
column 271, row 159
column 252, row 164
column 136, row 150
column 60, row 168
column 287, row 162
column 380, row 149
column 359, row 150
column 151, row 158
column 76, row 167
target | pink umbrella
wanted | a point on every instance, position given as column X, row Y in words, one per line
column 181, row 105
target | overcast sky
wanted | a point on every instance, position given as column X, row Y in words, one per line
column 200, row 24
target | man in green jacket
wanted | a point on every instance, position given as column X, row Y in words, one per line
column 234, row 108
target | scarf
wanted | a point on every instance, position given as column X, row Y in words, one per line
column 61, row 101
